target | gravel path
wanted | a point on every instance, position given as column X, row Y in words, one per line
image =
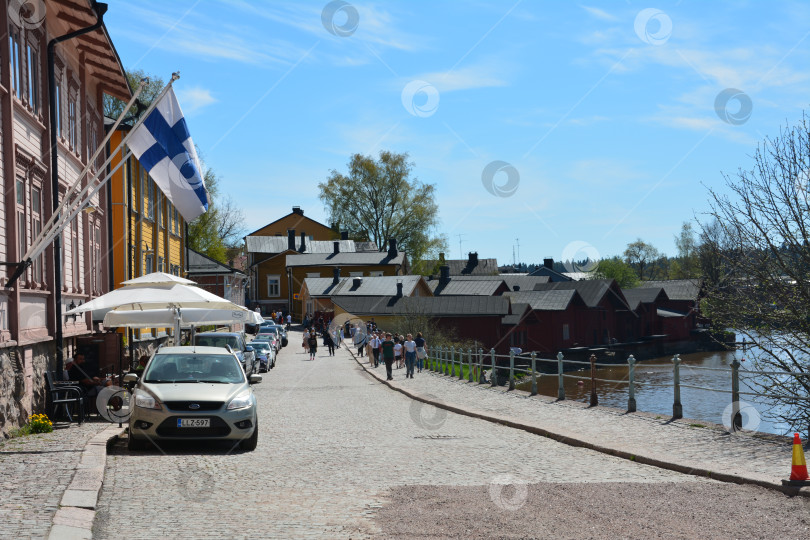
column 594, row 510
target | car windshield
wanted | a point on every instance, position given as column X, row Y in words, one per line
column 264, row 336
column 217, row 341
column 260, row 345
column 194, row 368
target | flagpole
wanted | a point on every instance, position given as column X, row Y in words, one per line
column 27, row 258
column 84, row 171
column 143, row 117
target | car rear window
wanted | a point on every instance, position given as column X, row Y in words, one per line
column 217, row 341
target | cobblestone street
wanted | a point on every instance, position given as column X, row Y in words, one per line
column 333, row 441
column 36, row 471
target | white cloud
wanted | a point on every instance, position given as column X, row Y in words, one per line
column 195, row 98
column 486, row 74
column 599, row 14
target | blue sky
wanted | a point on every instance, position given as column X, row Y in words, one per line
column 607, row 120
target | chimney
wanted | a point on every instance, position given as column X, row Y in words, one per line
column 291, row 239
column 356, row 282
column 344, row 235
column 336, row 244
column 392, row 247
column 297, row 210
column 516, row 288
column 303, row 247
column 335, row 275
column 444, row 276
column 548, row 263
column 473, row 258
column 399, row 289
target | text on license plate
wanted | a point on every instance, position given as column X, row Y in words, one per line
column 193, row 422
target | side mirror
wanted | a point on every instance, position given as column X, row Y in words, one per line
column 254, row 379
column 130, row 378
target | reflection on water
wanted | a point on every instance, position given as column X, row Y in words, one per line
column 697, row 404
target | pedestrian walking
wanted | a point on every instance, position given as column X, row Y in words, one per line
column 398, row 352
column 305, row 342
column 421, row 351
column 359, row 340
column 340, row 336
column 410, row 355
column 369, row 349
column 329, row 342
column 387, row 347
column 313, row 345
column 375, row 348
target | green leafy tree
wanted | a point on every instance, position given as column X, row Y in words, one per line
column 618, row 270
column 640, row 255
column 114, row 106
column 377, row 200
column 687, row 264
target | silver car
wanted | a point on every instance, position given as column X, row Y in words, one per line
column 193, row 393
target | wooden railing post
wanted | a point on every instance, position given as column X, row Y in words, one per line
column 511, row 370
column 594, row 398
column 534, row 373
column 470, row 365
column 677, row 408
column 494, row 377
column 452, row 361
column 736, row 417
column 560, row 385
column 631, row 399
column 481, row 379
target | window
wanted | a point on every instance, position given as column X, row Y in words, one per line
column 149, row 260
column 16, row 60
column 74, row 250
column 150, row 196
column 313, row 274
column 160, row 264
column 566, row 332
column 36, row 228
column 72, row 133
column 273, row 286
column 375, row 273
column 33, row 78
column 161, row 222
column 58, row 90
column 21, row 225
column 351, row 274
column 97, row 257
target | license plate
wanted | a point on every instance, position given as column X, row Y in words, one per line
column 193, row 422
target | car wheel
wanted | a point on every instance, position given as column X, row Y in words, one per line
column 249, row 444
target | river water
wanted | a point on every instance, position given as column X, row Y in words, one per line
column 703, row 405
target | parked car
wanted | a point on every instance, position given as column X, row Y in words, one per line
column 193, row 392
column 281, row 334
column 234, row 340
column 265, row 353
column 272, row 337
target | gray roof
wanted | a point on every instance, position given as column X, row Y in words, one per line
column 429, row 306
column 200, row 264
column 550, row 300
column 637, row 296
column 591, row 290
column 465, row 267
column 526, row 283
column 518, row 310
column 462, row 287
column 345, row 259
column 676, row 289
column 369, row 286
column 277, row 244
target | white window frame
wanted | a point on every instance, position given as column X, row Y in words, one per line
column 277, row 279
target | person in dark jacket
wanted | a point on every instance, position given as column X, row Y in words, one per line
column 329, row 342
column 313, row 345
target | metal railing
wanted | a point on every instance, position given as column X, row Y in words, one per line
column 453, row 363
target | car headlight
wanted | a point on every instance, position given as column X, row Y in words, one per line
column 240, row 402
column 146, row 401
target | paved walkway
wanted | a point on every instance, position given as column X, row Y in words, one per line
column 333, row 443
column 36, row 471
column 754, row 458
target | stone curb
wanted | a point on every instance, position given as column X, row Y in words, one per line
column 582, row 443
column 77, row 510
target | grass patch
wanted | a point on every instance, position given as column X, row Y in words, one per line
column 696, row 425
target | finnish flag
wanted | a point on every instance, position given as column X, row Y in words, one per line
column 164, row 148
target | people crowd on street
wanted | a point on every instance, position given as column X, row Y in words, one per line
column 396, row 351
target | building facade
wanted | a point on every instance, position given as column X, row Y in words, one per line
column 86, row 68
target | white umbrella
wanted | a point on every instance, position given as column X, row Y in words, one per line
column 150, row 318
column 154, row 296
column 158, row 277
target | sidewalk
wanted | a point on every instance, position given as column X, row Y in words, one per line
column 47, row 479
column 679, row 445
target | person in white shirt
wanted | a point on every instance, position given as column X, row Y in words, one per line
column 410, row 355
column 398, row 353
column 375, row 349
